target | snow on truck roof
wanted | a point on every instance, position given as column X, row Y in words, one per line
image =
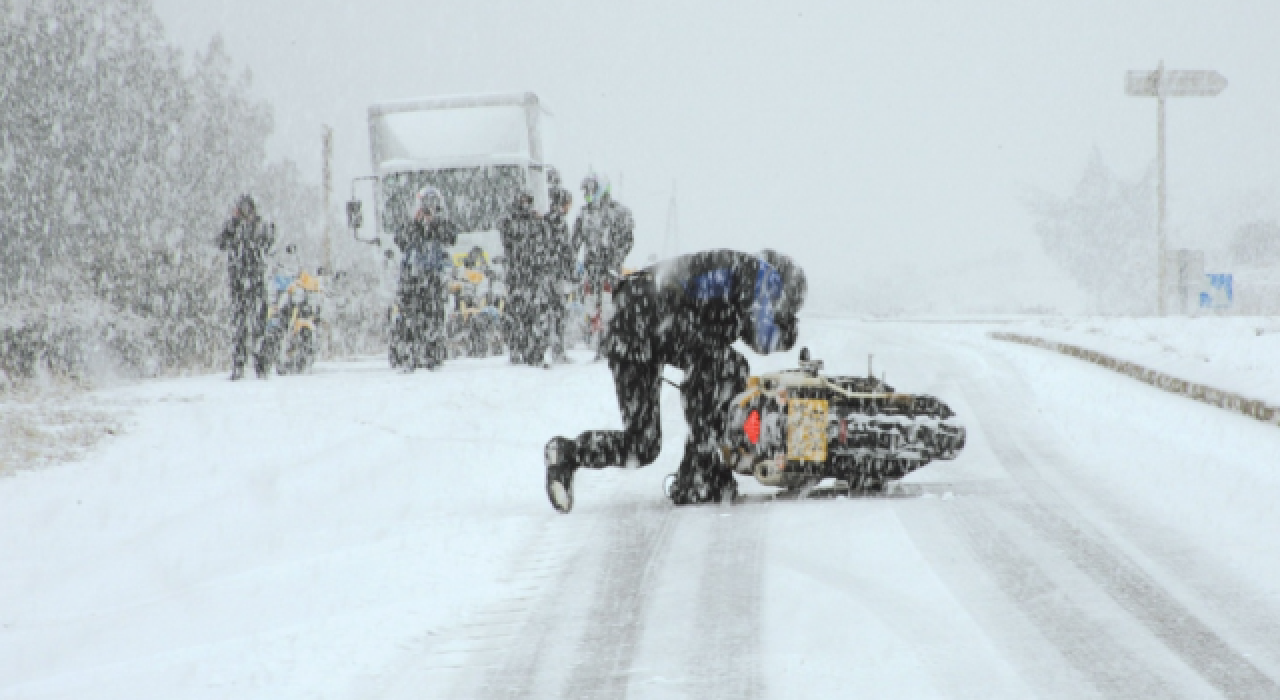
column 418, row 104
column 455, row 131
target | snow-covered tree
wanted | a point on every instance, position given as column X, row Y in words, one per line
column 1104, row 236
column 1257, row 244
column 119, row 161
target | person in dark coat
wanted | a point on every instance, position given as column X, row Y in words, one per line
column 523, row 233
column 685, row 312
column 558, row 273
column 423, row 292
column 605, row 232
column 247, row 240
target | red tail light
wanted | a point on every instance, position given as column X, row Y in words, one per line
column 752, row 427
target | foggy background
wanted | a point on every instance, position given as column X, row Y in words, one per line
column 891, row 148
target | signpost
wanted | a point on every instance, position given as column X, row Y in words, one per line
column 326, row 147
column 1160, row 84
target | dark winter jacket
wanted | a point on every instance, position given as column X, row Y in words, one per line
column 246, row 241
column 606, row 230
column 423, row 245
column 554, row 259
column 692, row 306
column 523, row 234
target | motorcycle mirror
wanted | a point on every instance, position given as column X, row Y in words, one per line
column 804, row 354
column 291, row 249
column 321, row 272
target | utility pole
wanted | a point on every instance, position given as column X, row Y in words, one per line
column 326, row 141
column 1160, row 84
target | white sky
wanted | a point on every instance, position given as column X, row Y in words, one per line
column 885, row 145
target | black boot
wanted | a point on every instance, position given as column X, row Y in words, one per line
column 561, row 458
column 702, row 480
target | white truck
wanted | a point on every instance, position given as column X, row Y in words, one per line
column 479, row 151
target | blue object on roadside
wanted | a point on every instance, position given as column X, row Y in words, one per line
column 1221, row 292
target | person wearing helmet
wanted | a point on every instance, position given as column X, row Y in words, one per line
column 247, row 239
column 523, row 232
column 686, row 312
column 558, row 268
column 424, row 286
column 604, row 231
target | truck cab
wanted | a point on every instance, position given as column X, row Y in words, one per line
column 478, row 150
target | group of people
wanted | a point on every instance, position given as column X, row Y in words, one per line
column 542, row 256
column 541, row 269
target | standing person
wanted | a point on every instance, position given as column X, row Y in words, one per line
column 605, row 231
column 424, row 286
column 560, row 263
column 685, row 312
column 522, row 232
column 246, row 238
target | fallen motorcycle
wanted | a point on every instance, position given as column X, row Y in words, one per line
column 794, row 428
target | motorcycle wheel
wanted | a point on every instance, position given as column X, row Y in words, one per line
column 306, row 355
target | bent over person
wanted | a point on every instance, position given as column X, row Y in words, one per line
column 246, row 239
column 685, row 312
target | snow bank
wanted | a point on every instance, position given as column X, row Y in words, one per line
column 1236, row 354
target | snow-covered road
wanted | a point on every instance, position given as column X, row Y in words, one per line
column 364, row 534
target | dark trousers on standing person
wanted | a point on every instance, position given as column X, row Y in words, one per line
column 422, row 307
column 248, row 322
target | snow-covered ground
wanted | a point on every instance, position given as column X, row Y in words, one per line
column 1240, row 354
column 49, row 423
column 359, row 533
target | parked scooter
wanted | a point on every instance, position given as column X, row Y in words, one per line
column 293, row 316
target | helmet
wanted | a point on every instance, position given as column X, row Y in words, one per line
column 429, row 200
column 560, row 197
column 524, row 201
column 794, row 284
column 553, row 177
column 778, row 293
column 594, row 187
column 246, row 205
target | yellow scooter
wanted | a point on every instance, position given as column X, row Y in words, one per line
column 290, row 342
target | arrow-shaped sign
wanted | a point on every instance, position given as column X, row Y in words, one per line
column 1173, row 83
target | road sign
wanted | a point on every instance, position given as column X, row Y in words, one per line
column 1161, row 83
column 1173, row 83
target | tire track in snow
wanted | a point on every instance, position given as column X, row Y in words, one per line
column 1054, row 520
column 494, row 651
column 1084, row 642
column 545, row 622
column 638, row 539
column 1221, row 665
column 726, row 662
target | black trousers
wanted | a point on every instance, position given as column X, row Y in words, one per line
column 422, row 307
column 713, row 376
column 248, row 318
column 534, row 317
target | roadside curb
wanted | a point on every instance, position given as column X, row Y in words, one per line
column 1228, row 400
